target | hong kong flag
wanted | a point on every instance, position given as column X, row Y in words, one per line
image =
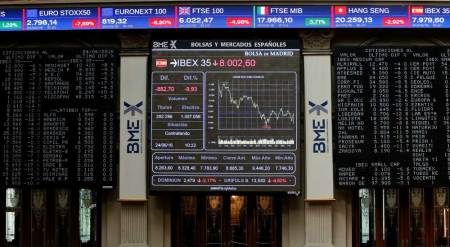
column 340, row 10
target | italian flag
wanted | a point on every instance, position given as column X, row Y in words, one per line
column 263, row 10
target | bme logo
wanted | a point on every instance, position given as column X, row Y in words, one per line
column 134, row 136
column 134, row 127
column 132, row 108
column 318, row 108
column 319, row 127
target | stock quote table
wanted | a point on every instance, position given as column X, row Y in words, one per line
column 224, row 116
column 393, row 116
column 58, row 117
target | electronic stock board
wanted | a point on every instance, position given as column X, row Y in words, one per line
column 392, row 116
column 58, row 117
column 225, row 116
column 224, row 16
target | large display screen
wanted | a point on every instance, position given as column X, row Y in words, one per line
column 392, row 116
column 225, row 115
column 224, row 16
column 58, row 117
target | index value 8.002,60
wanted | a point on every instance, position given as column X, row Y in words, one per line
column 222, row 63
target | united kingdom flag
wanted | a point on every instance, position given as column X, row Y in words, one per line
column 184, row 11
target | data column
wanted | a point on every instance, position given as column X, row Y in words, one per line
column 352, row 134
column 445, row 77
column 177, row 110
column 424, row 118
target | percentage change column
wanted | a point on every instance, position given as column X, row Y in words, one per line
column 177, row 110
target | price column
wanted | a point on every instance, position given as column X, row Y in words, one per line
column 177, row 110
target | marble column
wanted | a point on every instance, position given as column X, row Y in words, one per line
column 319, row 186
column 133, row 151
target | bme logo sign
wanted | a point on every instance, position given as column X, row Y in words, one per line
column 134, row 127
column 319, row 127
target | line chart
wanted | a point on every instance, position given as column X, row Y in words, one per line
column 257, row 102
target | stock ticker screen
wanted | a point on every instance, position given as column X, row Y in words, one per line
column 58, row 117
column 225, row 115
column 393, row 116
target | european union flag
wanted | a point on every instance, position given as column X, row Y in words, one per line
column 32, row 13
column 107, row 12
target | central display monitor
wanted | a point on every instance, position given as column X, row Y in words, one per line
column 225, row 115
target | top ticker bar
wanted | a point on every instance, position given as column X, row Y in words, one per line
column 227, row 16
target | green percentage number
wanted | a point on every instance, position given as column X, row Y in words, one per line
column 10, row 24
column 318, row 22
